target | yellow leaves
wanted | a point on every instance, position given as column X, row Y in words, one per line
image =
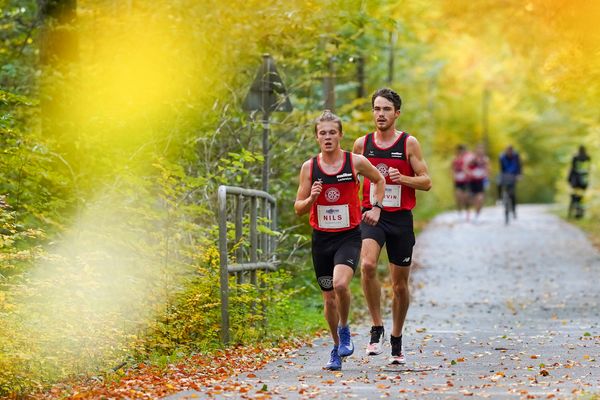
column 497, row 376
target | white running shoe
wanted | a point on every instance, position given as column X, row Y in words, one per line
column 397, row 357
column 375, row 346
column 397, row 360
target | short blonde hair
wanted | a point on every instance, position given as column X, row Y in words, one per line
column 328, row 116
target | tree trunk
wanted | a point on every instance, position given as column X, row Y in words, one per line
column 59, row 43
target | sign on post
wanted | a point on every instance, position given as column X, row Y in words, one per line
column 267, row 94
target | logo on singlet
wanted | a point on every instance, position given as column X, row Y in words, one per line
column 332, row 194
column 383, row 168
column 346, row 176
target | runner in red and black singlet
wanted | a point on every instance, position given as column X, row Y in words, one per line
column 396, row 196
column 398, row 157
column 461, row 180
column 328, row 190
column 478, row 168
column 337, row 208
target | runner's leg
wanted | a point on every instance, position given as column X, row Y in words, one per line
column 331, row 314
column 370, row 283
column 400, row 297
column 342, row 275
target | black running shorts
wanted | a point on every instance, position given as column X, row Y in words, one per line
column 332, row 248
column 395, row 230
column 464, row 186
column 476, row 187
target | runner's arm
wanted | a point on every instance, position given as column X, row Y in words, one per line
column 307, row 192
column 366, row 169
column 359, row 145
column 421, row 180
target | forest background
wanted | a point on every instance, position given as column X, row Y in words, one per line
column 119, row 119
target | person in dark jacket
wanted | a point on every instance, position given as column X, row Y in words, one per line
column 510, row 172
column 578, row 180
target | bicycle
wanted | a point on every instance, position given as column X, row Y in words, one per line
column 508, row 183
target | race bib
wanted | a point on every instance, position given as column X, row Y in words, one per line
column 391, row 197
column 460, row 176
column 478, row 173
column 333, row 217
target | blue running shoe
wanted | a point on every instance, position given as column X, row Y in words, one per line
column 335, row 362
column 346, row 346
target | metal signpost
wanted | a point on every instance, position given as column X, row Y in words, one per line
column 267, row 94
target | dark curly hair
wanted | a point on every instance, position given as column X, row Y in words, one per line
column 389, row 94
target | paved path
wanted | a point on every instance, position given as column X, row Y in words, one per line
column 498, row 312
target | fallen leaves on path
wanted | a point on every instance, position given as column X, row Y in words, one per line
column 202, row 372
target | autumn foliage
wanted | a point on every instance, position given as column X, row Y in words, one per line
column 112, row 151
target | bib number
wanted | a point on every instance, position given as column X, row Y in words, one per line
column 391, row 197
column 333, row 217
column 460, row 176
column 478, row 173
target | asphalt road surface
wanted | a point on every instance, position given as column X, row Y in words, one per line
column 497, row 312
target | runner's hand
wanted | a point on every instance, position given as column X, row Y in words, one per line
column 371, row 217
column 394, row 174
column 315, row 190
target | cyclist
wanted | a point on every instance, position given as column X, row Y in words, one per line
column 578, row 179
column 510, row 172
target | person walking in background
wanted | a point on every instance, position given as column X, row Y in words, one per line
column 578, row 180
column 398, row 156
column 328, row 190
column 461, row 180
column 478, row 170
column 510, row 173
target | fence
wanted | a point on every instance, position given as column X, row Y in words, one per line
column 260, row 254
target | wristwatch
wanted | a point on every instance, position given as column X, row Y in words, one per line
column 378, row 205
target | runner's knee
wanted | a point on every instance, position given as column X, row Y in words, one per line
column 368, row 269
column 400, row 289
column 340, row 286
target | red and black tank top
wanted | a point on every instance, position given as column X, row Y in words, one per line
column 459, row 169
column 337, row 208
column 476, row 169
column 397, row 197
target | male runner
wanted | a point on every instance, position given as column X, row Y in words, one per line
column 328, row 189
column 461, row 180
column 478, row 169
column 397, row 155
